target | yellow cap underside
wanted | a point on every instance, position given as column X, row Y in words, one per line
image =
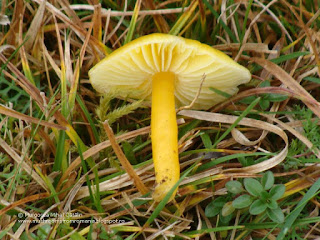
column 129, row 69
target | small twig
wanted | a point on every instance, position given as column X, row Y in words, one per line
column 196, row 97
column 123, row 160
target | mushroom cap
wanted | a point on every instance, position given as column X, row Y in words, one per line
column 128, row 70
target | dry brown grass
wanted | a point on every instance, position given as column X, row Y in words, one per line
column 55, row 155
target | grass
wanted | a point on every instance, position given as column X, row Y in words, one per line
column 66, row 174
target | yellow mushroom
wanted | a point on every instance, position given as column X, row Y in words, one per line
column 168, row 71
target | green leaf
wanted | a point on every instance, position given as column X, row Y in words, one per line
column 276, row 215
column 264, row 195
column 275, row 97
column 212, row 210
column 221, row 93
column 130, row 237
column 257, row 207
column 265, row 83
column 272, row 204
column 234, row 187
column 277, row 191
column 128, row 151
column 242, row 201
column 312, row 79
column 267, row 180
column 246, row 161
column 206, row 140
column 253, row 186
column 25, row 236
column 264, row 104
column 77, row 236
column 225, row 219
column 227, row 209
column 248, row 100
column 214, row 207
column 43, row 231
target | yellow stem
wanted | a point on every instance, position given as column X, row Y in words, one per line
column 164, row 134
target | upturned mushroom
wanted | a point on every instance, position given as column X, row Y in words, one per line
column 168, row 71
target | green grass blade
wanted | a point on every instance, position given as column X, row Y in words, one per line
column 222, row 93
column 312, row 79
column 229, row 157
column 222, row 23
column 49, row 184
column 242, row 115
column 281, row 59
column 163, row 203
column 291, row 218
column 236, row 18
column 89, row 118
column 245, row 20
column 206, row 140
column 4, row 232
column 197, row 233
column 183, row 19
column 95, row 197
column 59, row 157
column 133, row 22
